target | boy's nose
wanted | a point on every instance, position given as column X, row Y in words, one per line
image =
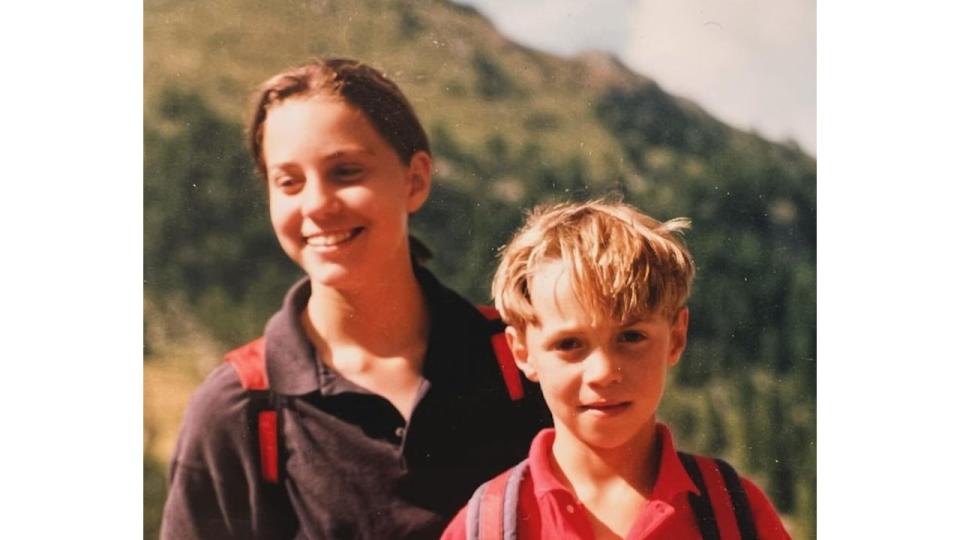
column 601, row 369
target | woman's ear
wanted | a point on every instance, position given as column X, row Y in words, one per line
column 678, row 335
column 517, row 344
column 419, row 170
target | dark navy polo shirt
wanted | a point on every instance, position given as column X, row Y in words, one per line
column 352, row 467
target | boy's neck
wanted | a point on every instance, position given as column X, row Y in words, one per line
column 595, row 473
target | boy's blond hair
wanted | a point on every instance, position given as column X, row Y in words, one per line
column 622, row 263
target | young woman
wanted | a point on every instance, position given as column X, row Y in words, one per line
column 381, row 387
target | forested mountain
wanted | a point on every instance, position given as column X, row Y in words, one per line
column 510, row 127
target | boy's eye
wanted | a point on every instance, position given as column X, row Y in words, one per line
column 567, row 344
column 632, row 336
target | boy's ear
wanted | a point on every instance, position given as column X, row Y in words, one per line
column 678, row 335
column 521, row 355
column 418, row 173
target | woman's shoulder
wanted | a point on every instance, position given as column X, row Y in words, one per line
column 450, row 308
column 220, row 395
column 217, row 418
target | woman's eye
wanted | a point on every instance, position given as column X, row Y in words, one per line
column 632, row 336
column 287, row 183
column 347, row 173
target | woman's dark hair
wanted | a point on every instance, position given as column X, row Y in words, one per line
column 356, row 83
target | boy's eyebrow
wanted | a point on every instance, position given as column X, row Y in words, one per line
column 565, row 330
column 639, row 319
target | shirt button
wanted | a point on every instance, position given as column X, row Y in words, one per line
column 569, row 508
column 399, row 432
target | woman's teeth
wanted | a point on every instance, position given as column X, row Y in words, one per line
column 327, row 240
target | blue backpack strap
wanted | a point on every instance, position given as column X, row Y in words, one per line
column 493, row 508
column 738, row 498
column 700, row 504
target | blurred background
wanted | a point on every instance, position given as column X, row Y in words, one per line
column 511, row 126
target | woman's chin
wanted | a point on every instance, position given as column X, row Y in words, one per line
column 349, row 270
column 330, row 275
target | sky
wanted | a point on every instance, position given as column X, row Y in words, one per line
column 750, row 63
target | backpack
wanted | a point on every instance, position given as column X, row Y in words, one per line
column 493, row 508
column 250, row 363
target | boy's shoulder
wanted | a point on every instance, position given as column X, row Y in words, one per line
column 723, row 503
column 726, row 500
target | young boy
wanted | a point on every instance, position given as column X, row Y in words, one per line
column 594, row 298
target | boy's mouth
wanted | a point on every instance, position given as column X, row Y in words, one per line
column 606, row 408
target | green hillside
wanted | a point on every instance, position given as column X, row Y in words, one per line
column 457, row 70
column 510, row 127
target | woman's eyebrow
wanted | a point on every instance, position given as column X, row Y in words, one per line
column 287, row 166
column 341, row 152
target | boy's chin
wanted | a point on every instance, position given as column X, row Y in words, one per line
column 600, row 438
column 609, row 441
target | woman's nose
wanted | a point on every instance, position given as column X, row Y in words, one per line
column 319, row 198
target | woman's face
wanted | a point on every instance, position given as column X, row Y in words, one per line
column 339, row 193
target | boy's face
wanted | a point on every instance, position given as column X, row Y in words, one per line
column 602, row 380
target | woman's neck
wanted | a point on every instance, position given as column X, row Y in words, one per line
column 375, row 335
column 384, row 318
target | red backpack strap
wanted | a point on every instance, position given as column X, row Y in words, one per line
column 508, row 367
column 493, row 508
column 250, row 363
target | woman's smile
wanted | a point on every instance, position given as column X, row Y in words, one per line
column 332, row 241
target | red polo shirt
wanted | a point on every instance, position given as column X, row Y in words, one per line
column 550, row 510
